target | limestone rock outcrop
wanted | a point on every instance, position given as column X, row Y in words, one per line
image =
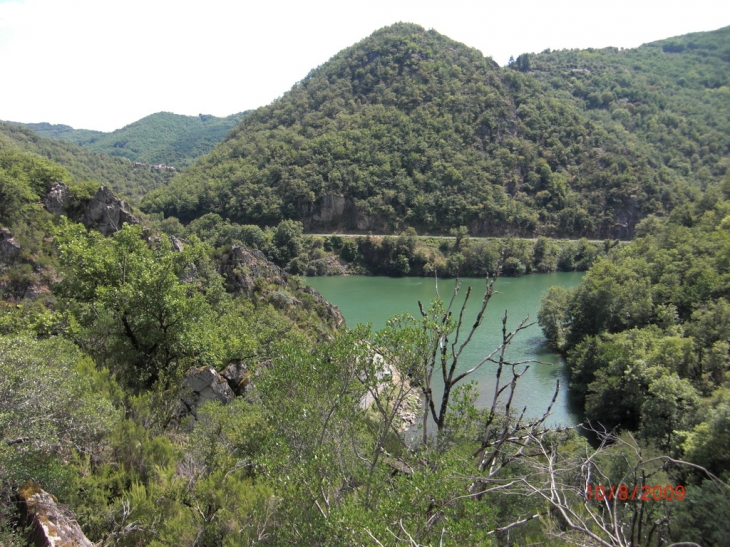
column 200, row 386
column 365, row 222
column 177, row 244
column 9, row 248
column 107, row 213
column 57, row 198
column 104, row 211
column 50, row 525
column 333, row 311
column 336, row 210
column 333, row 207
column 238, row 376
column 241, row 266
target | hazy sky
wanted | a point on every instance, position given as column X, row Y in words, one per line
column 102, row 64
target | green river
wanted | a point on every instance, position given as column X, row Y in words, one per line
column 374, row 299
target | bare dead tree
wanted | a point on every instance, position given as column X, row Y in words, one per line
column 492, row 452
column 523, row 457
column 577, row 515
column 445, row 353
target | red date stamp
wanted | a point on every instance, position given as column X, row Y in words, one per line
column 637, row 493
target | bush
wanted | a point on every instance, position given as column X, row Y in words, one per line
column 318, row 267
column 513, row 267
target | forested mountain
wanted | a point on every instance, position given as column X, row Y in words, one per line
column 161, row 138
column 117, row 173
column 409, row 128
column 61, row 132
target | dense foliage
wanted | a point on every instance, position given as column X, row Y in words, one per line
column 161, row 138
column 406, row 254
column 647, row 338
column 313, row 452
column 414, row 129
column 668, row 98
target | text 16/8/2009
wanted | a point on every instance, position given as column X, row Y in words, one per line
column 637, row 493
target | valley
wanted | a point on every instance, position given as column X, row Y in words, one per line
column 226, row 330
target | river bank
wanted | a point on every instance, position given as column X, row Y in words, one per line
column 403, row 255
column 409, row 255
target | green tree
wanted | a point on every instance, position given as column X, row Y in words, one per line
column 708, row 443
column 146, row 310
column 670, row 405
column 288, row 240
column 459, row 234
column 552, row 314
column 611, row 298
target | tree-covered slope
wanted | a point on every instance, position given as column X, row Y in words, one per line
column 647, row 333
column 117, row 173
column 170, row 139
column 670, row 98
column 409, row 127
column 62, row 132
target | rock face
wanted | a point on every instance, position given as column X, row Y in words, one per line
column 333, row 207
column 242, row 266
column 200, row 386
column 57, row 198
column 388, row 378
column 29, row 286
column 333, row 311
column 177, row 244
column 35, row 290
column 50, row 526
column 625, row 220
column 364, row 222
column 107, row 213
column 238, row 376
column 9, row 248
column 104, row 212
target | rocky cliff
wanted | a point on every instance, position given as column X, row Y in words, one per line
column 49, row 524
column 248, row 272
column 104, row 211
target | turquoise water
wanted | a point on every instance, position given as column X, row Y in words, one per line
column 373, row 300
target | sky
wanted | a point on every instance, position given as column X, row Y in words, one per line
column 103, row 64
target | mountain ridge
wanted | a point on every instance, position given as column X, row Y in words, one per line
column 160, row 138
column 411, row 128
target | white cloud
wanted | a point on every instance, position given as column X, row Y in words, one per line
column 101, row 65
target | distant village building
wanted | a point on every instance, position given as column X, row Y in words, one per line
column 158, row 167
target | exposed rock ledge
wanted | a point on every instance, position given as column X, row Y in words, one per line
column 104, row 212
column 200, row 386
column 107, row 213
column 241, row 267
column 9, row 248
column 50, row 525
